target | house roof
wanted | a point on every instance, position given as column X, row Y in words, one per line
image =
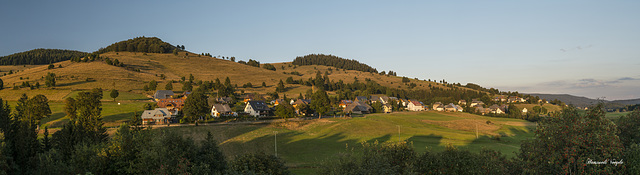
column 258, row 105
column 221, row 108
column 301, row 101
column 357, row 106
column 223, row 99
column 361, row 98
column 416, row 103
column 162, row 94
column 151, row 114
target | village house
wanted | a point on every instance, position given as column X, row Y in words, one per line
column 415, row 105
column 156, row 116
column 476, row 102
column 162, row 94
column 524, row 110
column 344, row 103
column 387, row 108
column 453, row 108
column 404, row 102
column 482, row 110
column 222, row 110
column 361, row 99
column 394, row 99
column 224, row 100
column 500, row 98
column 358, row 108
column 277, row 102
column 174, row 105
column 299, row 102
column 257, row 109
column 385, row 99
column 438, row 106
column 498, row 109
column 462, row 102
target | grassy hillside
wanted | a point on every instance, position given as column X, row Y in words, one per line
column 73, row 76
column 306, row 144
column 549, row 107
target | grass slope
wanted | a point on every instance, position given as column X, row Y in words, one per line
column 308, row 143
column 73, row 76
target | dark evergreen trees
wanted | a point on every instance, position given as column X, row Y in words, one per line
column 140, row 44
column 330, row 60
column 50, row 80
column 40, row 57
column 269, row 67
column 196, row 106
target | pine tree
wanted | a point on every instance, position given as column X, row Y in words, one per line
column 169, row 86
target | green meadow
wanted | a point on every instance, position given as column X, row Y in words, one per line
column 306, row 144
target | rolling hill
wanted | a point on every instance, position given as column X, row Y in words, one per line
column 72, row 76
column 586, row 102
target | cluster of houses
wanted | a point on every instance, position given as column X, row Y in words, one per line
column 510, row 99
column 170, row 106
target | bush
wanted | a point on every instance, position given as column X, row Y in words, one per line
column 259, row 163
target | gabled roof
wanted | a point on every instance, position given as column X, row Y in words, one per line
column 151, row 114
column 162, row 94
column 258, row 105
column 301, row 101
column 224, row 99
column 221, row 108
column 416, row 103
column 357, row 106
column 361, row 98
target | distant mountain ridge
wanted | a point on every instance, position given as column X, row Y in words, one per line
column 586, row 102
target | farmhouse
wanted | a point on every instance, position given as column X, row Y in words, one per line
column 221, row 110
column 257, row 109
column 438, row 106
column 358, row 108
column 156, row 116
column 415, row 105
column 174, row 105
column 162, row 94
column 361, row 99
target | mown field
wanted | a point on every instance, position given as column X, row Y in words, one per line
column 306, row 144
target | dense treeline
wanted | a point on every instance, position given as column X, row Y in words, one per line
column 82, row 145
column 141, row 44
column 330, row 60
column 40, row 56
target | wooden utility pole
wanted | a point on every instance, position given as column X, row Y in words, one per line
column 476, row 131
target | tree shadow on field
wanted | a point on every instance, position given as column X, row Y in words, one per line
column 72, row 83
column 502, row 142
column 422, row 143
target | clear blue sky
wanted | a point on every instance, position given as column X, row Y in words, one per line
column 585, row 48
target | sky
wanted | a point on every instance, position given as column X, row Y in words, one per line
column 584, row 48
